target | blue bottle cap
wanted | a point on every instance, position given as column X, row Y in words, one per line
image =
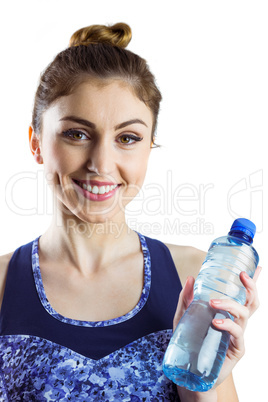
column 245, row 226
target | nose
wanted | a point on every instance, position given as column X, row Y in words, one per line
column 101, row 159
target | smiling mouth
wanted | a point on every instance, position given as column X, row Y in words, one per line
column 97, row 189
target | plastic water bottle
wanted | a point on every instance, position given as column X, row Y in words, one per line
column 197, row 349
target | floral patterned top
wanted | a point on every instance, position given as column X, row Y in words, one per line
column 45, row 356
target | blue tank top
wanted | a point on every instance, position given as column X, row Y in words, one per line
column 45, row 356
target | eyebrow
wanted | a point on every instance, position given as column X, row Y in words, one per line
column 129, row 122
column 89, row 124
column 79, row 121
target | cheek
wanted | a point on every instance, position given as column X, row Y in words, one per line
column 134, row 175
column 137, row 168
column 59, row 160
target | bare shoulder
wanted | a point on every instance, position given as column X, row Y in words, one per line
column 4, row 261
column 187, row 259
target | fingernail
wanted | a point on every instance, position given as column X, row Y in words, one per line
column 219, row 322
column 216, row 301
column 246, row 275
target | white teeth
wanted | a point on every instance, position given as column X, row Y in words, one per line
column 102, row 190
column 96, row 189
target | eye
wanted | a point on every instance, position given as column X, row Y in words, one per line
column 128, row 139
column 75, row 135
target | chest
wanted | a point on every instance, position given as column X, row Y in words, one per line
column 104, row 294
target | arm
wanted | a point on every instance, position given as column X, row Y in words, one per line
column 226, row 391
column 4, row 261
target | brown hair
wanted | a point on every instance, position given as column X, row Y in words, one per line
column 97, row 51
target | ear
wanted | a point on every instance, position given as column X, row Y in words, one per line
column 35, row 145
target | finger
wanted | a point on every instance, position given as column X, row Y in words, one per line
column 252, row 299
column 186, row 297
column 239, row 312
column 187, row 293
column 237, row 345
column 257, row 273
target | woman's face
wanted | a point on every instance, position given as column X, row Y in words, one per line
column 95, row 145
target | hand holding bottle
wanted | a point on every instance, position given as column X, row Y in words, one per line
column 219, row 307
column 235, row 328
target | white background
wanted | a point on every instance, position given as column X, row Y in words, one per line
column 210, row 61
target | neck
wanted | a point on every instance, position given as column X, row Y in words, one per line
column 86, row 245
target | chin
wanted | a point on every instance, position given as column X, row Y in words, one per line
column 96, row 217
column 76, row 208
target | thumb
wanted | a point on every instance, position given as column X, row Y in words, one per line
column 186, row 297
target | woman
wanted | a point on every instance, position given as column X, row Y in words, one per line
column 87, row 308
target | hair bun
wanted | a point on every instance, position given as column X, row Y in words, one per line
column 116, row 35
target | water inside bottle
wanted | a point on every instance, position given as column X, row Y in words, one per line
column 189, row 362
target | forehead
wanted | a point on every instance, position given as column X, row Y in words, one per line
column 105, row 101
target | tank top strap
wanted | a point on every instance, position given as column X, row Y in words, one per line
column 166, row 285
